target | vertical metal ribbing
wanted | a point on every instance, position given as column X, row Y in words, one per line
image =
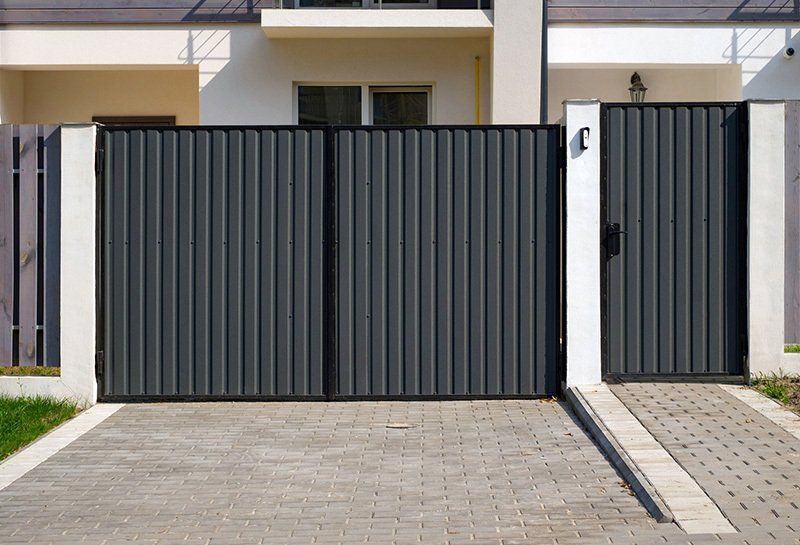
column 675, row 183
column 330, row 245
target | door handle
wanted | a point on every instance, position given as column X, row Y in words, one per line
column 612, row 241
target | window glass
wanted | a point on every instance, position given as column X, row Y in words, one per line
column 400, row 107
column 330, row 3
column 328, row 105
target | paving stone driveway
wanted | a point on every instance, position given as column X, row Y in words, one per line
column 466, row 472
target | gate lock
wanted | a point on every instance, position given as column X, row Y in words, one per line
column 613, row 233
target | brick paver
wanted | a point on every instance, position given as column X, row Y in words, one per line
column 748, row 465
column 482, row 473
column 464, row 472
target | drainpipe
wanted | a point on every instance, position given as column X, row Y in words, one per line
column 477, row 90
column 543, row 86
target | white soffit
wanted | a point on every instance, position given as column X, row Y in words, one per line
column 376, row 23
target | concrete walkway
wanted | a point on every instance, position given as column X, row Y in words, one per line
column 746, row 463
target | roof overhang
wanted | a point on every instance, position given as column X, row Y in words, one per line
column 375, row 23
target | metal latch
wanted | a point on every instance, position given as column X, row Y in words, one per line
column 612, row 241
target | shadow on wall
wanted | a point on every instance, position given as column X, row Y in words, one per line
column 230, row 61
column 774, row 11
column 766, row 74
column 246, row 11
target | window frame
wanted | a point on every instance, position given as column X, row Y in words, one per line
column 366, row 96
column 296, row 97
column 375, row 4
column 427, row 89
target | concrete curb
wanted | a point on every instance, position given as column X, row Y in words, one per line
column 642, row 487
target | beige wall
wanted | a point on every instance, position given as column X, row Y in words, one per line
column 695, row 83
column 11, row 90
column 78, row 95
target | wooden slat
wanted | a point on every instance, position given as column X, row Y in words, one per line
column 28, row 247
column 792, row 237
column 6, row 243
column 52, row 242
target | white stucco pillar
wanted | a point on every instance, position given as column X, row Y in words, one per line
column 516, row 61
column 583, row 243
column 78, row 247
column 765, row 248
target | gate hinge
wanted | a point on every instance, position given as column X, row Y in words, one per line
column 99, row 364
column 99, row 155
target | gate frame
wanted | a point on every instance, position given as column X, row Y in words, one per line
column 744, row 140
column 329, row 272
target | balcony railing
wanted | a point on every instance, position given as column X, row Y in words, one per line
column 382, row 4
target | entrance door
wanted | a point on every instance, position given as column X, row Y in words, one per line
column 674, row 239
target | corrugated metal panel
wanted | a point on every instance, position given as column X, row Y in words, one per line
column 448, row 261
column 212, row 258
column 676, row 183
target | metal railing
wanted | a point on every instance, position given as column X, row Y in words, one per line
column 367, row 4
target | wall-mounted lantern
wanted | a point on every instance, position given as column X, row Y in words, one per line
column 637, row 88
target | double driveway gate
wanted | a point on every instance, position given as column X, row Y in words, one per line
column 368, row 262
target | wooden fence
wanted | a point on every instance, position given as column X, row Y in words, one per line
column 30, row 188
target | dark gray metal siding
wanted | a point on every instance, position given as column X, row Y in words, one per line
column 448, row 261
column 676, row 182
column 212, row 262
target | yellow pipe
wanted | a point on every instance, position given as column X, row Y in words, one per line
column 477, row 90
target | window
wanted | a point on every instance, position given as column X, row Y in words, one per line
column 328, row 105
column 381, row 105
column 400, row 105
column 365, row 3
column 329, row 3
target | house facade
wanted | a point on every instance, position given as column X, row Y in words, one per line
column 366, row 61
column 559, row 208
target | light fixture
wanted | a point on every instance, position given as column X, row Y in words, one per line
column 637, row 88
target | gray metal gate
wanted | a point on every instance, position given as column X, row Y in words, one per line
column 213, row 262
column 223, row 277
column 675, row 184
column 448, row 261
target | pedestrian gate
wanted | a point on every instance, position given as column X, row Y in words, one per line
column 321, row 263
column 674, row 239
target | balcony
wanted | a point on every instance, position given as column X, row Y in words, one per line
column 378, row 19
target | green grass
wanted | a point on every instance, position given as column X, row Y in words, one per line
column 791, row 348
column 24, row 419
column 780, row 387
column 37, row 371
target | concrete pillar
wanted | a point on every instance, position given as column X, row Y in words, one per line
column 583, row 244
column 765, row 247
column 78, row 247
column 516, row 61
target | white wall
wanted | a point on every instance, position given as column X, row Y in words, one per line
column 247, row 78
column 752, row 54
